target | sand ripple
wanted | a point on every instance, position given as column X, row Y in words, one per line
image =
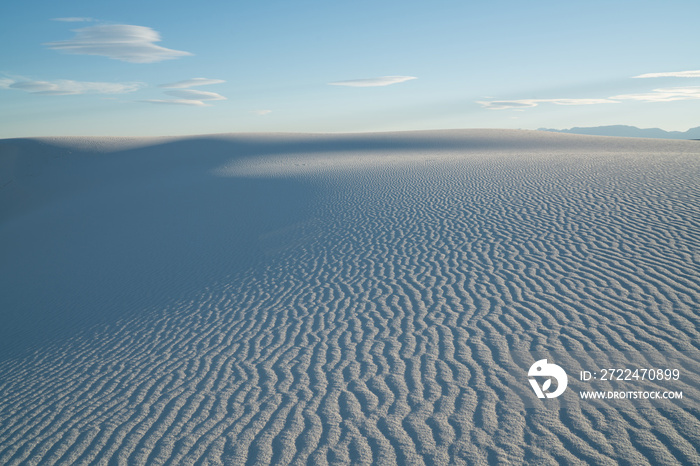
column 388, row 320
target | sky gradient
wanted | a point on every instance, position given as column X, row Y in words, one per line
column 173, row 68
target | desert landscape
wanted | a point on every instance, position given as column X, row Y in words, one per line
column 368, row 298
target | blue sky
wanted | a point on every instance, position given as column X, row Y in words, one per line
column 169, row 68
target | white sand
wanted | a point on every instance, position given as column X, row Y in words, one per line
column 376, row 298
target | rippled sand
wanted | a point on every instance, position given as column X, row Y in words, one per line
column 370, row 298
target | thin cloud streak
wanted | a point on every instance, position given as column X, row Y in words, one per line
column 672, row 74
column 133, row 44
column 194, row 103
column 68, row 87
column 192, row 83
column 656, row 95
column 189, row 96
column 195, row 95
column 664, row 95
column 73, row 19
column 373, row 82
column 527, row 103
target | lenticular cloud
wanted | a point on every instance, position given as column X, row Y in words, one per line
column 672, row 74
column 69, row 87
column 195, row 95
column 134, row 44
column 373, row 82
column 195, row 103
column 192, row 83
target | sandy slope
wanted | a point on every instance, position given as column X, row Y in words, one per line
column 370, row 298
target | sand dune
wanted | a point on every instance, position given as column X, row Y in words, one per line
column 345, row 299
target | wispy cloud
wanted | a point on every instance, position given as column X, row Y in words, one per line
column 505, row 104
column 73, row 19
column 261, row 112
column 192, row 83
column 526, row 103
column 656, row 95
column 373, row 82
column 197, row 103
column 189, row 94
column 664, row 95
column 672, row 74
column 68, row 87
column 133, row 44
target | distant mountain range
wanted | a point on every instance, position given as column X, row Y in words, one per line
column 631, row 132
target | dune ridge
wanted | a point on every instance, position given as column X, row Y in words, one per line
column 343, row 299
